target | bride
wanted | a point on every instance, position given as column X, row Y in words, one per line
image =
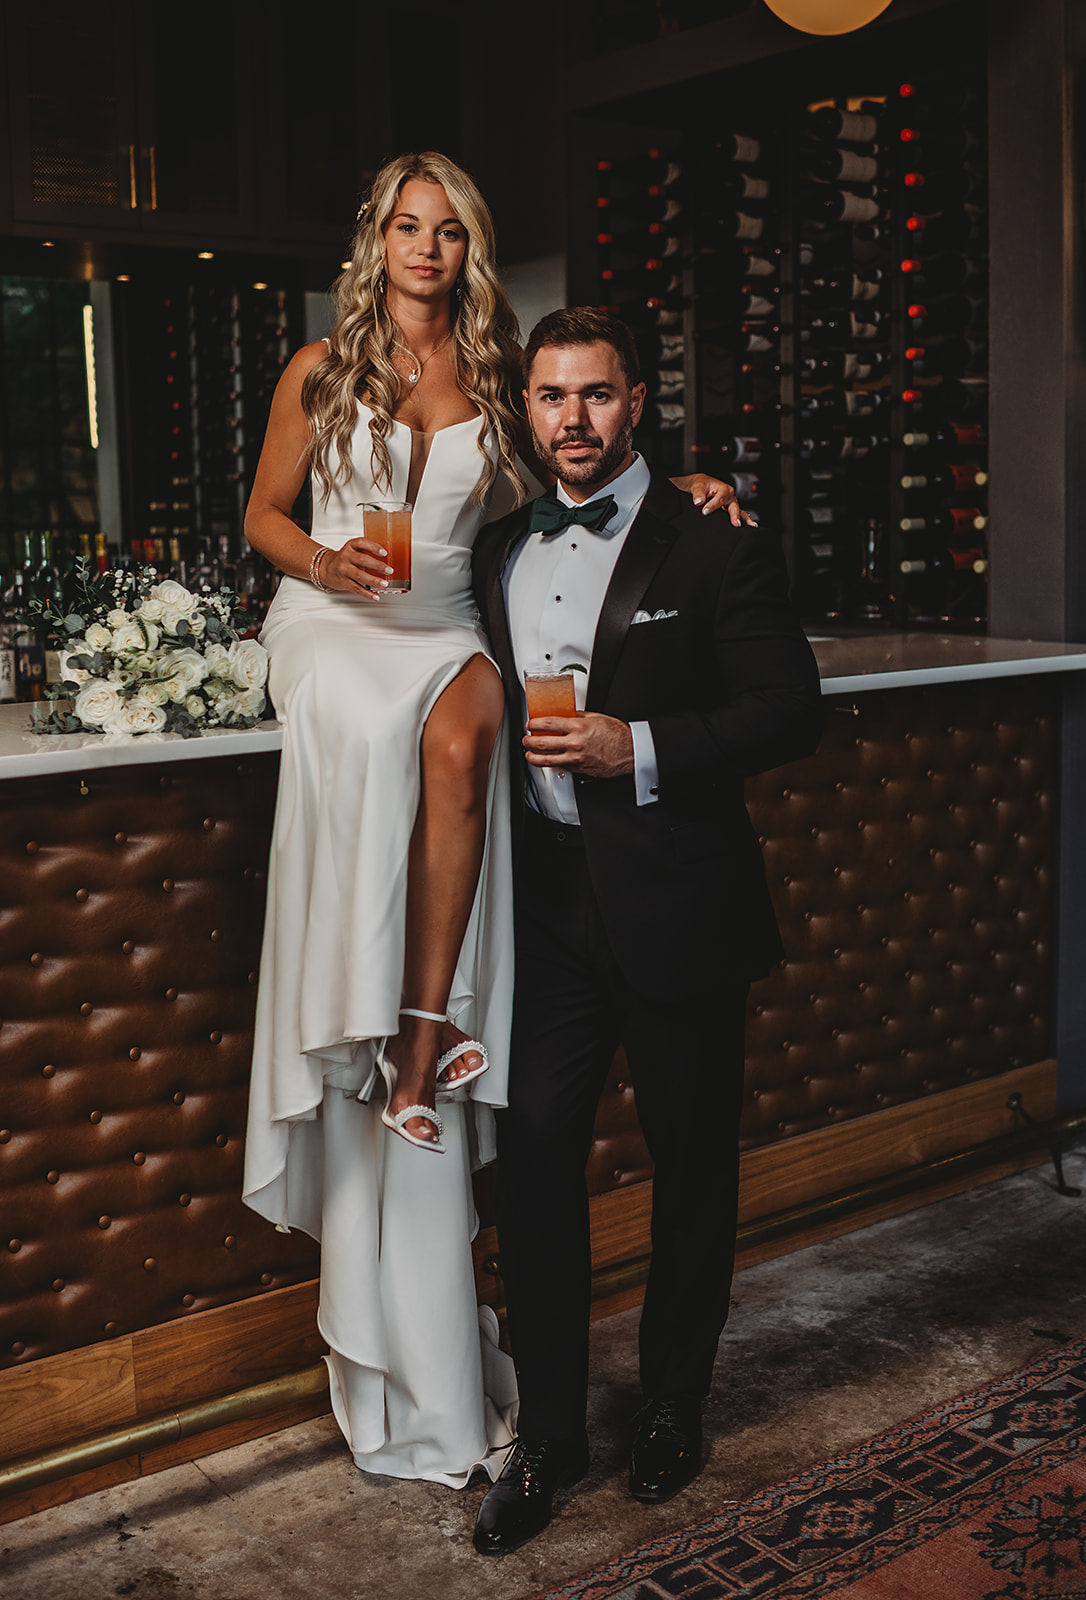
column 381, row 1040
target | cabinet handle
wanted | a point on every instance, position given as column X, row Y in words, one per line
column 154, row 181
column 133, row 199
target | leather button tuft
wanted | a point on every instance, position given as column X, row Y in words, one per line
column 128, row 947
column 248, row 874
column 57, row 1285
column 36, row 959
column 110, row 1328
column 171, row 994
column 18, row 1348
column 215, row 1036
column 215, row 935
column 167, row 884
column 32, row 847
column 120, row 837
column 5, row 1135
column 53, row 1176
column 222, row 1139
column 85, row 1009
column 252, row 977
column 265, row 1278
column 135, row 1053
column 179, row 1098
column 139, row 1158
column 15, row 1245
column 209, row 823
column 82, row 894
column 188, row 1299
column 104, row 1222
column 48, row 1071
column 150, row 1264
column 230, row 1242
column 184, row 1199
column 95, row 1117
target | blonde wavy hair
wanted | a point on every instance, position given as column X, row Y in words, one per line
column 359, row 360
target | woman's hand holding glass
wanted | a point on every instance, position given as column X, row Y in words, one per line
column 360, row 567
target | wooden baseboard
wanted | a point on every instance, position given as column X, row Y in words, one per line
column 67, row 1397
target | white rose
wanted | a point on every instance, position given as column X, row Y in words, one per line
column 150, row 609
column 153, row 694
column 98, row 637
column 170, row 619
column 248, row 664
column 218, row 659
column 116, row 619
column 69, row 674
column 145, row 661
column 195, row 706
column 248, row 702
column 183, row 670
column 129, row 636
column 173, row 596
column 96, row 701
column 135, row 716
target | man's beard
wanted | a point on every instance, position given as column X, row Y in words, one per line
column 586, row 472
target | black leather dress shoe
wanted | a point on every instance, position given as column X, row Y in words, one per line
column 519, row 1504
column 666, row 1453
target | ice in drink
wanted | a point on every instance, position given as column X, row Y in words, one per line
column 388, row 523
column 550, row 694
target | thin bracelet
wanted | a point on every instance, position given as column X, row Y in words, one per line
column 315, row 569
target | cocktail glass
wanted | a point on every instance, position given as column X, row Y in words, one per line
column 388, row 523
column 550, row 694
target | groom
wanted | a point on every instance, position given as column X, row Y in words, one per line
column 642, row 913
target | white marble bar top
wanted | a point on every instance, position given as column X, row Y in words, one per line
column 847, row 666
column 906, row 660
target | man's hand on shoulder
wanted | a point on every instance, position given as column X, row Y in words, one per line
column 592, row 745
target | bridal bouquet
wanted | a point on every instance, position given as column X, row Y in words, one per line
column 142, row 654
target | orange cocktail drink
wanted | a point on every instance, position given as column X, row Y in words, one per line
column 550, row 694
column 388, row 523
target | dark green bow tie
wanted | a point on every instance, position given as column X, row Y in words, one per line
column 549, row 515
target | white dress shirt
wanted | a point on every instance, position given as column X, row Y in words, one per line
column 554, row 587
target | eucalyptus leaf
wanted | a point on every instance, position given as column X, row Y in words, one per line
column 83, row 662
column 74, row 623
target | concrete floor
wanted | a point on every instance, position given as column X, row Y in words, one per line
column 824, row 1348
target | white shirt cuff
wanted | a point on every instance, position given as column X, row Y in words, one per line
column 646, row 776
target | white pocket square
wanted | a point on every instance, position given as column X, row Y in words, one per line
column 652, row 616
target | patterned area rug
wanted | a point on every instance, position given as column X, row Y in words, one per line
column 983, row 1498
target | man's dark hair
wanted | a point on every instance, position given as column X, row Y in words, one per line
column 584, row 325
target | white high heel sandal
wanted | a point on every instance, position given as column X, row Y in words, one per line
column 397, row 1123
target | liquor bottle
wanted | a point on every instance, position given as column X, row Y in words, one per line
column 29, row 654
column 9, row 684
column 101, row 553
column 844, row 366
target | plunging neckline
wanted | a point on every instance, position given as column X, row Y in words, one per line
column 418, row 433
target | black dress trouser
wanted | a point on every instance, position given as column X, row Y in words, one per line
column 572, row 1008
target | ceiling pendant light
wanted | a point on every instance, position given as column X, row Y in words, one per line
column 827, row 16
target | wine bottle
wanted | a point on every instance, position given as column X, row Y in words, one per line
column 824, row 203
column 740, row 187
column 929, row 192
column 941, row 274
column 847, row 447
column 835, row 165
column 962, row 231
column 638, row 172
column 844, row 366
column 951, row 478
column 956, row 314
column 951, row 358
column 953, row 521
column 843, row 327
column 667, row 382
column 845, row 127
column 840, row 405
column 652, row 206
column 665, row 415
column 9, row 685
column 740, row 147
column 946, row 436
column 745, row 485
column 950, row 397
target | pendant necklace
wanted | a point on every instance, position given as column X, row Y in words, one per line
column 416, row 365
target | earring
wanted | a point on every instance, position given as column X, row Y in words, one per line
column 382, row 282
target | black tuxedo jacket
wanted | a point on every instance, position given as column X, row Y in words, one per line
column 722, row 673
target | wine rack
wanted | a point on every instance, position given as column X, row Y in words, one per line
column 203, row 362
column 806, row 274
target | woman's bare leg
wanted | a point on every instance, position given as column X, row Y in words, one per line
column 443, row 870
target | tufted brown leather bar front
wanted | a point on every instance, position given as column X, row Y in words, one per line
column 129, row 944
column 910, row 862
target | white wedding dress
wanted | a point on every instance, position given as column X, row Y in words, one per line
column 418, row 1384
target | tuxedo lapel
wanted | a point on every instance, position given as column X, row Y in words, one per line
column 497, row 618
column 647, row 543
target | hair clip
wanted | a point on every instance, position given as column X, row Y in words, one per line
column 363, row 208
